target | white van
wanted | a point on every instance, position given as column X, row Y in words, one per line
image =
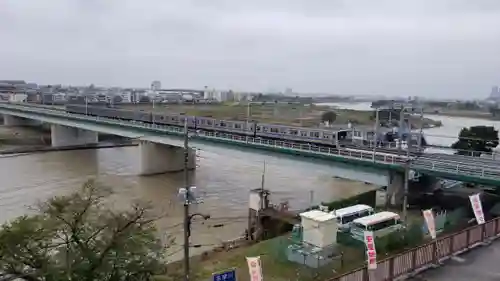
column 381, row 224
column 346, row 216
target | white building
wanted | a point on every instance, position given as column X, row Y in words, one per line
column 156, row 85
column 18, row 97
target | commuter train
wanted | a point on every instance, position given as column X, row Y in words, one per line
column 253, row 128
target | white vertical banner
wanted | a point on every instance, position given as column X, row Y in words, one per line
column 255, row 268
column 430, row 221
column 371, row 253
column 477, row 207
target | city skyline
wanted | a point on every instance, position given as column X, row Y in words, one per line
column 419, row 48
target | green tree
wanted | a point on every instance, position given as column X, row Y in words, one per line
column 476, row 139
column 77, row 237
column 329, row 117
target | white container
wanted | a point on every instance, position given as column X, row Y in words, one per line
column 319, row 228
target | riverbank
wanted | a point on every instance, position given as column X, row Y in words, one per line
column 19, row 136
column 44, row 149
column 273, row 253
column 463, row 113
column 286, row 114
column 275, row 266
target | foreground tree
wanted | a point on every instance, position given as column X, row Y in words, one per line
column 77, row 237
column 475, row 140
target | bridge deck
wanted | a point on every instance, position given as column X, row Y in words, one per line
column 456, row 167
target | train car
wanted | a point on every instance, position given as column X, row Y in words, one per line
column 254, row 129
column 143, row 116
column 230, row 126
column 300, row 134
column 206, row 123
column 160, row 118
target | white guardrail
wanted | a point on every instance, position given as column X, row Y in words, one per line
column 458, row 168
column 346, row 153
column 421, row 163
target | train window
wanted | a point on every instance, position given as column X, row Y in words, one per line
column 237, row 126
column 327, row 136
column 294, row 132
column 314, row 134
column 304, row 134
column 258, row 128
column 209, row 122
column 222, row 124
column 274, row 130
column 357, row 134
column 265, row 129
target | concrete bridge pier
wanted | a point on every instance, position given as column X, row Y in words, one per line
column 15, row 121
column 67, row 136
column 158, row 158
column 395, row 188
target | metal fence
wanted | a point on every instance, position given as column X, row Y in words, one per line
column 426, row 256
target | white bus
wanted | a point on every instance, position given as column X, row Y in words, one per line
column 381, row 224
column 346, row 216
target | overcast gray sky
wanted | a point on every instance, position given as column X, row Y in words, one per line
column 448, row 48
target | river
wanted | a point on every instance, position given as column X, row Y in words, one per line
column 224, row 178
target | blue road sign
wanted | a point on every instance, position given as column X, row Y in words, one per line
column 226, row 275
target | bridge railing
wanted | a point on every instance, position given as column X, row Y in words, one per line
column 428, row 255
column 368, row 145
column 469, row 168
column 345, row 153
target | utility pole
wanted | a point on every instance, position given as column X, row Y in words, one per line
column 186, row 201
column 249, row 103
column 86, row 106
column 375, row 140
column 262, row 203
column 400, row 130
column 421, row 129
column 406, row 190
column 408, row 139
column 188, row 197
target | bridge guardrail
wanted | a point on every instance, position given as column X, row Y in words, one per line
column 428, row 255
column 349, row 153
column 456, row 167
column 369, row 145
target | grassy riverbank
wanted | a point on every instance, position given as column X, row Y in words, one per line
column 463, row 113
column 20, row 136
column 275, row 266
column 286, row 114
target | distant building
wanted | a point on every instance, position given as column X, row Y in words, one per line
column 495, row 93
column 226, row 96
column 156, row 85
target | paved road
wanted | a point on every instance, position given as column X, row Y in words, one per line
column 481, row 264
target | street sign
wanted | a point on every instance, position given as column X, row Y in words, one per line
column 226, row 275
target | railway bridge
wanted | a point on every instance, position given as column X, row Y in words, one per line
column 161, row 147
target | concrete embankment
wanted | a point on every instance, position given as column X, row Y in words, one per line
column 43, row 149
